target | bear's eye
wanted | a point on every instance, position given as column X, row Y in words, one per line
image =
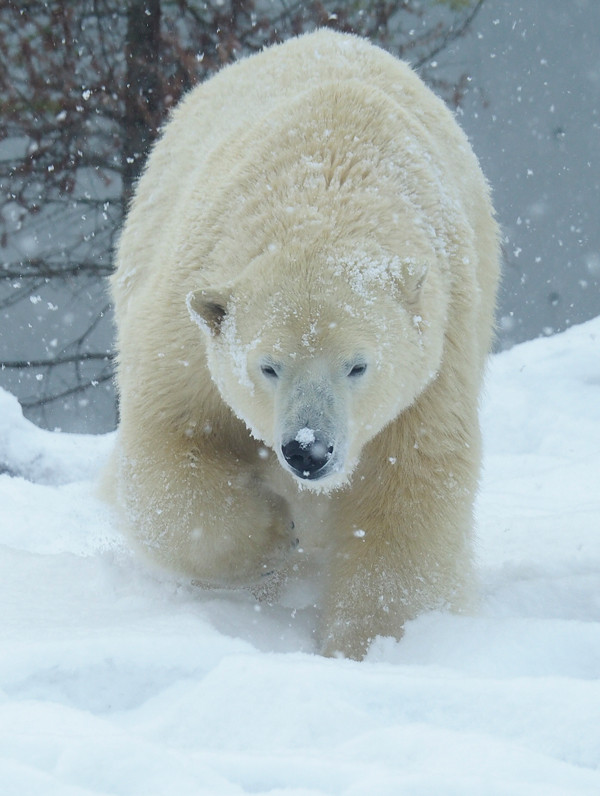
column 357, row 370
column 269, row 371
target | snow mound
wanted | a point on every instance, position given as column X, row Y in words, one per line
column 43, row 456
column 118, row 680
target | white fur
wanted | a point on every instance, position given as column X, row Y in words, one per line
column 308, row 212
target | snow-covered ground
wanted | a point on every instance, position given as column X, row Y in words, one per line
column 117, row 680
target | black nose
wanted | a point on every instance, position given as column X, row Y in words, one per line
column 307, row 460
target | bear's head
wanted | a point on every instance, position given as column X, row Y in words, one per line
column 317, row 354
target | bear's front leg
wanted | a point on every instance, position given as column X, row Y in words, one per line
column 401, row 546
column 210, row 517
column 369, row 595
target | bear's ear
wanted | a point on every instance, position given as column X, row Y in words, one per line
column 413, row 279
column 207, row 309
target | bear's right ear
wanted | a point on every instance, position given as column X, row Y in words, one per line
column 208, row 310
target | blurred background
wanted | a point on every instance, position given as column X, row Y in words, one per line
column 85, row 87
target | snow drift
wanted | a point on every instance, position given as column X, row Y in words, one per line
column 119, row 680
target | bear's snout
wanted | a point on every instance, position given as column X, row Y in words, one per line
column 307, row 455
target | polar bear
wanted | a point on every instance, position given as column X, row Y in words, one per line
column 304, row 298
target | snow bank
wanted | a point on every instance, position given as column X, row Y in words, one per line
column 43, row 456
column 118, row 680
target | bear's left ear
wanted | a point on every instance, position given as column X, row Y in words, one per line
column 207, row 309
column 413, row 279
